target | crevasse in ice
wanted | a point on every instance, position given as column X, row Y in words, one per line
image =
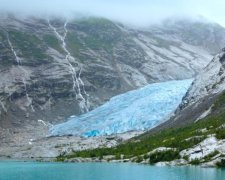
column 139, row 109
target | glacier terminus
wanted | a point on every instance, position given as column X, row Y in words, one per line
column 136, row 110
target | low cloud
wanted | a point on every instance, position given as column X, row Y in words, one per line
column 137, row 12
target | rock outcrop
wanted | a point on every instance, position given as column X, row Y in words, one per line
column 201, row 97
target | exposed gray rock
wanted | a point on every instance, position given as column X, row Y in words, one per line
column 52, row 69
column 199, row 101
column 37, row 76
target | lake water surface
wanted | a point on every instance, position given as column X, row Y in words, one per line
column 103, row 171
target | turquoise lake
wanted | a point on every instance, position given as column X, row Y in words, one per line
column 103, row 171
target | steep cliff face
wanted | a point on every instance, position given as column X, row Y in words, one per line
column 51, row 69
column 204, row 96
column 210, row 81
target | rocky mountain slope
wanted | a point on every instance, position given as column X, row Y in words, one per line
column 194, row 135
column 199, row 102
column 76, row 65
column 51, row 69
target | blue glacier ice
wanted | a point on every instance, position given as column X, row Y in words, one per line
column 139, row 109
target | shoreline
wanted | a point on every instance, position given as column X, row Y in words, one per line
column 96, row 160
column 108, row 162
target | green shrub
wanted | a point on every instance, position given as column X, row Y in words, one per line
column 220, row 101
column 195, row 161
column 118, row 156
column 100, row 157
column 139, row 159
column 220, row 134
column 160, row 156
column 60, row 158
column 186, row 158
column 221, row 163
column 211, row 155
column 146, row 156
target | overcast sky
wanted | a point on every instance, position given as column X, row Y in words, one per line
column 140, row 12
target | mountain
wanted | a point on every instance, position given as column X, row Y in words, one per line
column 50, row 65
column 199, row 33
column 53, row 68
column 200, row 99
column 194, row 135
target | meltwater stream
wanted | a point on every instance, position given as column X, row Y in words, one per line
column 139, row 109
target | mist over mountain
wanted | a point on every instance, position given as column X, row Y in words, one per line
column 136, row 13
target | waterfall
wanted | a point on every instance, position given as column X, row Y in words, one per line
column 78, row 84
column 19, row 64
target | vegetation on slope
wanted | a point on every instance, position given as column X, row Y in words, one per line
column 28, row 46
column 53, row 42
column 176, row 138
column 100, row 33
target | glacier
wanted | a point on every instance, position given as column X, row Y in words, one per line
column 136, row 110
